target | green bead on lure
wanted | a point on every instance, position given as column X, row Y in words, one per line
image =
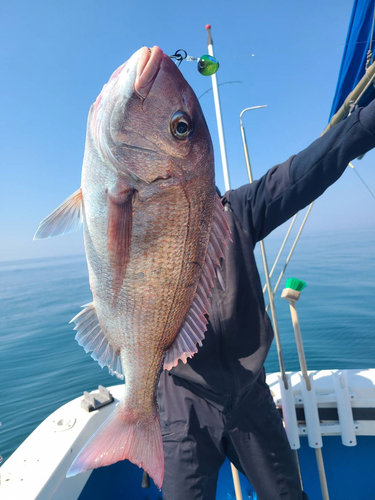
column 207, row 65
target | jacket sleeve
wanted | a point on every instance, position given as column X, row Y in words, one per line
column 289, row 187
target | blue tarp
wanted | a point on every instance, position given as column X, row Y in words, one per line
column 353, row 64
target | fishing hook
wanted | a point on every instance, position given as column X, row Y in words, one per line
column 179, row 55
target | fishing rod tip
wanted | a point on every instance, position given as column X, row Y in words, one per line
column 208, row 26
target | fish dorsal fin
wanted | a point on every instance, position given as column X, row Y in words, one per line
column 192, row 331
column 91, row 337
column 65, row 219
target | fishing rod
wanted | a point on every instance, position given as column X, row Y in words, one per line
column 264, row 258
column 210, row 47
column 219, row 121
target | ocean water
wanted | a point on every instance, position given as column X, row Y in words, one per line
column 43, row 367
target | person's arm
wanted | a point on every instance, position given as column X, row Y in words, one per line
column 287, row 188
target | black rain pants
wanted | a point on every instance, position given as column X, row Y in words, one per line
column 197, row 436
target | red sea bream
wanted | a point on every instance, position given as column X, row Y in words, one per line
column 154, row 229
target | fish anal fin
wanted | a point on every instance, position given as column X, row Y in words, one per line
column 195, row 325
column 91, row 337
column 65, row 219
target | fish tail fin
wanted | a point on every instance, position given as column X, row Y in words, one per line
column 122, row 437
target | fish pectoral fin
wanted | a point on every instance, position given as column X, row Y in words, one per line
column 193, row 330
column 120, row 224
column 65, row 219
column 91, row 337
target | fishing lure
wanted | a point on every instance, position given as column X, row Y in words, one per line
column 206, row 65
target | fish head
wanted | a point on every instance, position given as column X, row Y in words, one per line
column 147, row 122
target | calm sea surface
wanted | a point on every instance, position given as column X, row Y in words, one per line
column 43, row 367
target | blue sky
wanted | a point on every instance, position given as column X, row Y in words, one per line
column 56, row 56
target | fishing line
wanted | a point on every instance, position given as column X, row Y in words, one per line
column 219, row 85
column 367, row 187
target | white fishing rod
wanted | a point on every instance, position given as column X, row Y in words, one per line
column 220, row 130
column 210, row 47
column 264, row 260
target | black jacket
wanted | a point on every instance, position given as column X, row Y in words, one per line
column 239, row 332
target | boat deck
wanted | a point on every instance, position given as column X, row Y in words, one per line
column 37, row 469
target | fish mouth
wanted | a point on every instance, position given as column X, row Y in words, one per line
column 147, row 69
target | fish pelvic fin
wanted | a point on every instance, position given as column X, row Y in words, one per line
column 65, row 219
column 195, row 326
column 123, row 437
column 92, row 338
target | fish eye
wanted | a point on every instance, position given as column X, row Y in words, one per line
column 181, row 125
